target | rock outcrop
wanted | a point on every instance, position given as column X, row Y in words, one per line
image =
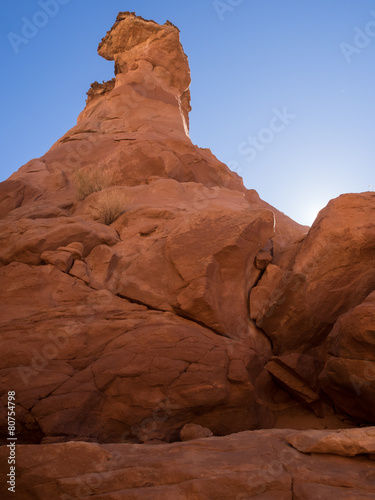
column 316, row 304
column 349, row 373
column 134, row 253
column 258, row 464
column 149, row 297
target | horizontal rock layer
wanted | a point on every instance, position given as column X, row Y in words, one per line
column 259, row 464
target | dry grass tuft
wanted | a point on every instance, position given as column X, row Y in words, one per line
column 90, row 181
column 110, row 205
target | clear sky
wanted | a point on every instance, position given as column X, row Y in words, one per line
column 282, row 91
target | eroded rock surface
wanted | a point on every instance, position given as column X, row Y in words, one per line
column 87, row 364
column 259, row 464
column 316, row 304
column 147, row 296
column 106, row 325
column 349, row 373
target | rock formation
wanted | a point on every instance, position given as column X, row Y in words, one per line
column 148, row 297
column 275, row 464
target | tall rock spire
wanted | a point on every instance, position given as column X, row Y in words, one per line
column 152, row 72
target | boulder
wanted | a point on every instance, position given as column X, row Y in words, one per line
column 87, row 364
column 349, row 373
column 62, row 260
column 194, row 431
column 332, row 272
column 345, row 442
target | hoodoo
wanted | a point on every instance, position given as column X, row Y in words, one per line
column 145, row 290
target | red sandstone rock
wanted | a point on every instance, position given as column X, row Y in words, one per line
column 194, row 431
column 349, row 374
column 184, row 248
column 298, row 301
column 190, row 301
column 13, row 194
column 331, row 274
column 287, row 374
column 259, row 465
column 25, row 240
column 88, row 364
column 75, row 248
column 347, row 442
column 62, row 260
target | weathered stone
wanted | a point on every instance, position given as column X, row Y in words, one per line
column 259, row 465
column 349, row 374
column 346, row 442
column 194, row 431
column 79, row 270
column 331, row 274
column 61, row 260
column 76, row 249
column 25, row 240
column 97, row 366
column 200, row 310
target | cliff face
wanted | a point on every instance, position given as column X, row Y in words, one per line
column 145, row 288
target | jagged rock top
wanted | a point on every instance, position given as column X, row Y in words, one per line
column 133, row 39
column 128, row 31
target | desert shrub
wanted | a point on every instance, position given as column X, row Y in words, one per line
column 90, row 181
column 110, row 204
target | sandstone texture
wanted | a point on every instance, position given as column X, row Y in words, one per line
column 194, row 431
column 127, row 260
column 149, row 298
column 347, row 442
column 316, row 304
column 253, row 464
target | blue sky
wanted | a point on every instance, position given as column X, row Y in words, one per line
column 282, row 91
